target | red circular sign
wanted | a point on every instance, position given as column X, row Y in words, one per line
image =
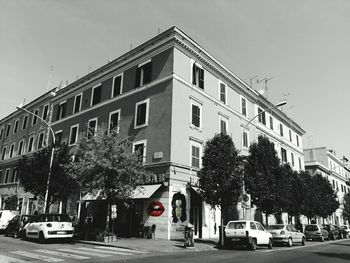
column 156, row 208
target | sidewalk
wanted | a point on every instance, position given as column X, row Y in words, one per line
column 155, row 245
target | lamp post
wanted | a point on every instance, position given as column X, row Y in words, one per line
column 275, row 106
column 52, row 153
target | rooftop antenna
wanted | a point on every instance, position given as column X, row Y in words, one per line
column 50, row 77
column 130, row 47
column 310, row 141
column 89, row 70
column 158, row 30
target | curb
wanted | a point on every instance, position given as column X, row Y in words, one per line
column 103, row 244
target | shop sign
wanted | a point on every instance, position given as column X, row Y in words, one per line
column 114, row 211
column 155, row 178
column 156, row 208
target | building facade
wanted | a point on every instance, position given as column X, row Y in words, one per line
column 325, row 162
column 171, row 95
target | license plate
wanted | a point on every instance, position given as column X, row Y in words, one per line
column 235, row 239
column 61, row 232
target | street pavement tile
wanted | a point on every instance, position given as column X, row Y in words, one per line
column 6, row 259
column 37, row 256
column 61, row 254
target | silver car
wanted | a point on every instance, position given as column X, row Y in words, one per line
column 286, row 234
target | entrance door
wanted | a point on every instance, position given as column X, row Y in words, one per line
column 196, row 213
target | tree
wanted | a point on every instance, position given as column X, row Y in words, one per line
column 33, row 171
column 220, row 177
column 11, row 202
column 105, row 161
column 261, row 170
column 284, row 190
column 346, row 204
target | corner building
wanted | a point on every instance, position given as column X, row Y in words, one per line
column 172, row 96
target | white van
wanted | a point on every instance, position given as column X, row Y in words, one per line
column 5, row 217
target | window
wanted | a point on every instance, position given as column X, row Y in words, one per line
column 3, row 153
column 7, row 176
column 222, row 92
column 281, row 129
column 290, row 135
column 24, row 123
column 41, row 140
column 198, row 76
column 77, row 103
column 292, row 157
column 35, row 117
column 223, row 125
column 144, row 73
column 73, row 136
column 117, row 85
column 45, row 112
column 260, row 227
column 244, row 106
column 20, row 147
column 1, row 132
column 30, row 144
column 114, row 118
column 13, row 176
column 139, row 147
column 252, row 225
column 195, row 155
column 261, row 116
column 141, row 114
column 92, row 127
column 245, row 139
column 196, row 114
column 271, row 122
column 12, row 149
column 284, row 155
column 8, row 130
column 297, row 137
column 58, row 137
column 96, row 95
column 1, row 179
column 333, row 184
column 15, row 128
column 61, row 111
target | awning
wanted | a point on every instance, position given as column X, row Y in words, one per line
column 96, row 194
column 145, row 191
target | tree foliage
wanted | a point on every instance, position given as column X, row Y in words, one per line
column 105, row 161
column 220, row 177
column 33, row 172
column 346, row 204
column 261, row 175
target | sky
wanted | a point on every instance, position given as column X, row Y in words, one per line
column 302, row 45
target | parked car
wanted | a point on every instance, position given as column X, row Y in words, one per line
column 333, row 233
column 286, row 234
column 247, row 233
column 48, row 226
column 342, row 232
column 346, row 229
column 16, row 225
column 5, row 217
column 316, row 232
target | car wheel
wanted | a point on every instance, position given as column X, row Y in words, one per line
column 334, row 237
column 253, row 245
column 341, row 236
column 270, row 244
column 6, row 234
column 15, row 234
column 41, row 238
column 303, row 241
column 322, row 239
column 290, row 242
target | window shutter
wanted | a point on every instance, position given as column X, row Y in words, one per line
column 147, row 73
column 141, row 114
column 138, row 77
column 201, row 78
column 194, row 70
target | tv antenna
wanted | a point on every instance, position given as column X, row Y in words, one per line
column 50, row 78
column 251, row 80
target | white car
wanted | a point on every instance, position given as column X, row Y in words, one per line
column 247, row 233
column 48, row 226
column 286, row 234
column 5, row 218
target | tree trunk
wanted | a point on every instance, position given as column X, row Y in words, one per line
column 267, row 219
column 222, row 227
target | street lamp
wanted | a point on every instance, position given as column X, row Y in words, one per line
column 52, row 152
column 275, row 106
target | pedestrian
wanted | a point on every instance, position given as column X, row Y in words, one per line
column 88, row 225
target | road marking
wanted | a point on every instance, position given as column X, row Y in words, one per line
column 104, row 251
column 76, row 251
column 57, row 253
column 299, row 247
column 6, row 259
column 122, row 249
column 36, row 256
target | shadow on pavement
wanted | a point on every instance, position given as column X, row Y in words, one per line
column 334, row 255
column 340, row 244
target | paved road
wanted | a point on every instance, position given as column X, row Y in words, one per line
column 20, row 251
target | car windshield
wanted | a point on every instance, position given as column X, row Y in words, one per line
column 311, row 228
column 274, row 227
column 236, row 225
column 55, row 218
